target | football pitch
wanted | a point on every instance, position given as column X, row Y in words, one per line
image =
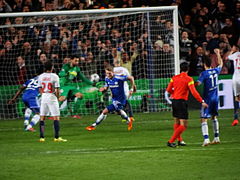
column 112, row 152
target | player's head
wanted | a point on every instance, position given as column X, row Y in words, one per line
column 184, row 67
column 109, row 71
column 207, row 63
column 48, row 66
column 74, row 60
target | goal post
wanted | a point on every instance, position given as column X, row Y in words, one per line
column 144, row 39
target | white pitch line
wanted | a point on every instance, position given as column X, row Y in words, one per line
column 137, row 149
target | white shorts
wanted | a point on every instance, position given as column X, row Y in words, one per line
column 49, row 105
column 236, row 86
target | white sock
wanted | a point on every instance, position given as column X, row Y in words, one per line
column 215, row 127
column 27, row 114
column 124, row 115
column 205, row 130
column 63, row 105
column 34, row 121
column 100, row 118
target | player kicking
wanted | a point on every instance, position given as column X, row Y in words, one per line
column 235, row 57
column 209, row 78
column 119, row 70
column 30, row 99
column 179, row 88
column 49, row 88
column 116, row 85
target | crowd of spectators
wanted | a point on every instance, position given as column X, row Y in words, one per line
column 203, row 26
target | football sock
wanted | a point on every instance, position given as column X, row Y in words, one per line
column 56, row 128
column 27, row 114
column 175, row 126
column 215, row 127
column 100, row 118
column 129, row 109
column 236, row 107
column 177, row 133
column 41, row 125
column 205, row 130
column 34, row 121
column 124, row 115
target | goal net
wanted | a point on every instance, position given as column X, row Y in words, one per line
column 145, row 40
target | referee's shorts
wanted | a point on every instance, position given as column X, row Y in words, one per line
column 180, row 108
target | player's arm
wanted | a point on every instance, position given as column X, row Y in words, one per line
column 20, row 90
column 219, row 58
column 169, row 91
column 84, row 79
column 57, row 92
column 132, row 82
column 196, row 94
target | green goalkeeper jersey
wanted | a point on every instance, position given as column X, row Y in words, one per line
column 69, row 75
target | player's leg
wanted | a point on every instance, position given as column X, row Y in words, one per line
column 55, row 112
column 235, row 112
column 180, row 114
column 78, row 96
column 27, row 116
column 43, row 113
column 101, row 117
column 236, row 93
column 216, row 139
column 34, row 105
column 128, row 110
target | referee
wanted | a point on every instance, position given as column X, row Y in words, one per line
column 179, row 87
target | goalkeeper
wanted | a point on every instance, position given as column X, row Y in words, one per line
column 69, row 75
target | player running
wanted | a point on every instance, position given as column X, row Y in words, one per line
column 179, row 88
column 30, row 99
column 119, row 70
column 49, row 88
column 209, row 78
column 116, row 85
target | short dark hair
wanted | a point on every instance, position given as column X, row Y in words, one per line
column 48, row 65
column 109, row 68
column 207, row 62
column 184, row 67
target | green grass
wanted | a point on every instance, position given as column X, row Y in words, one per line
column 111, row 152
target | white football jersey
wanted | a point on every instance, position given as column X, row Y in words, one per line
column 48, row 82
column 49, row 102
column 123, row 71
column 235, row 57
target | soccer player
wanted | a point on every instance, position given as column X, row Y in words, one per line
column 30, row 99
column 209, row 78
column 179, row 88
column 48, row 83
column 116, row 85
column 69, row 76
column 234, row 56
column 119, row 70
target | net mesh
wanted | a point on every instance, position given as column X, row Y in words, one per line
column 144, row 41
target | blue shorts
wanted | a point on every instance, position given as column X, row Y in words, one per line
column 115, row 106
column 32, row 103
column 211, row 110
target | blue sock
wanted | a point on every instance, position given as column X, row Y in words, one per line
column 56, row 128
column 41, row 125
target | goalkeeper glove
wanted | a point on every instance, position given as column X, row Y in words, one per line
column 73, row 73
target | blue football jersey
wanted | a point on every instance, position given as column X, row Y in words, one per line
column 116, row 85
column 210, row 80
column 31, row 88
